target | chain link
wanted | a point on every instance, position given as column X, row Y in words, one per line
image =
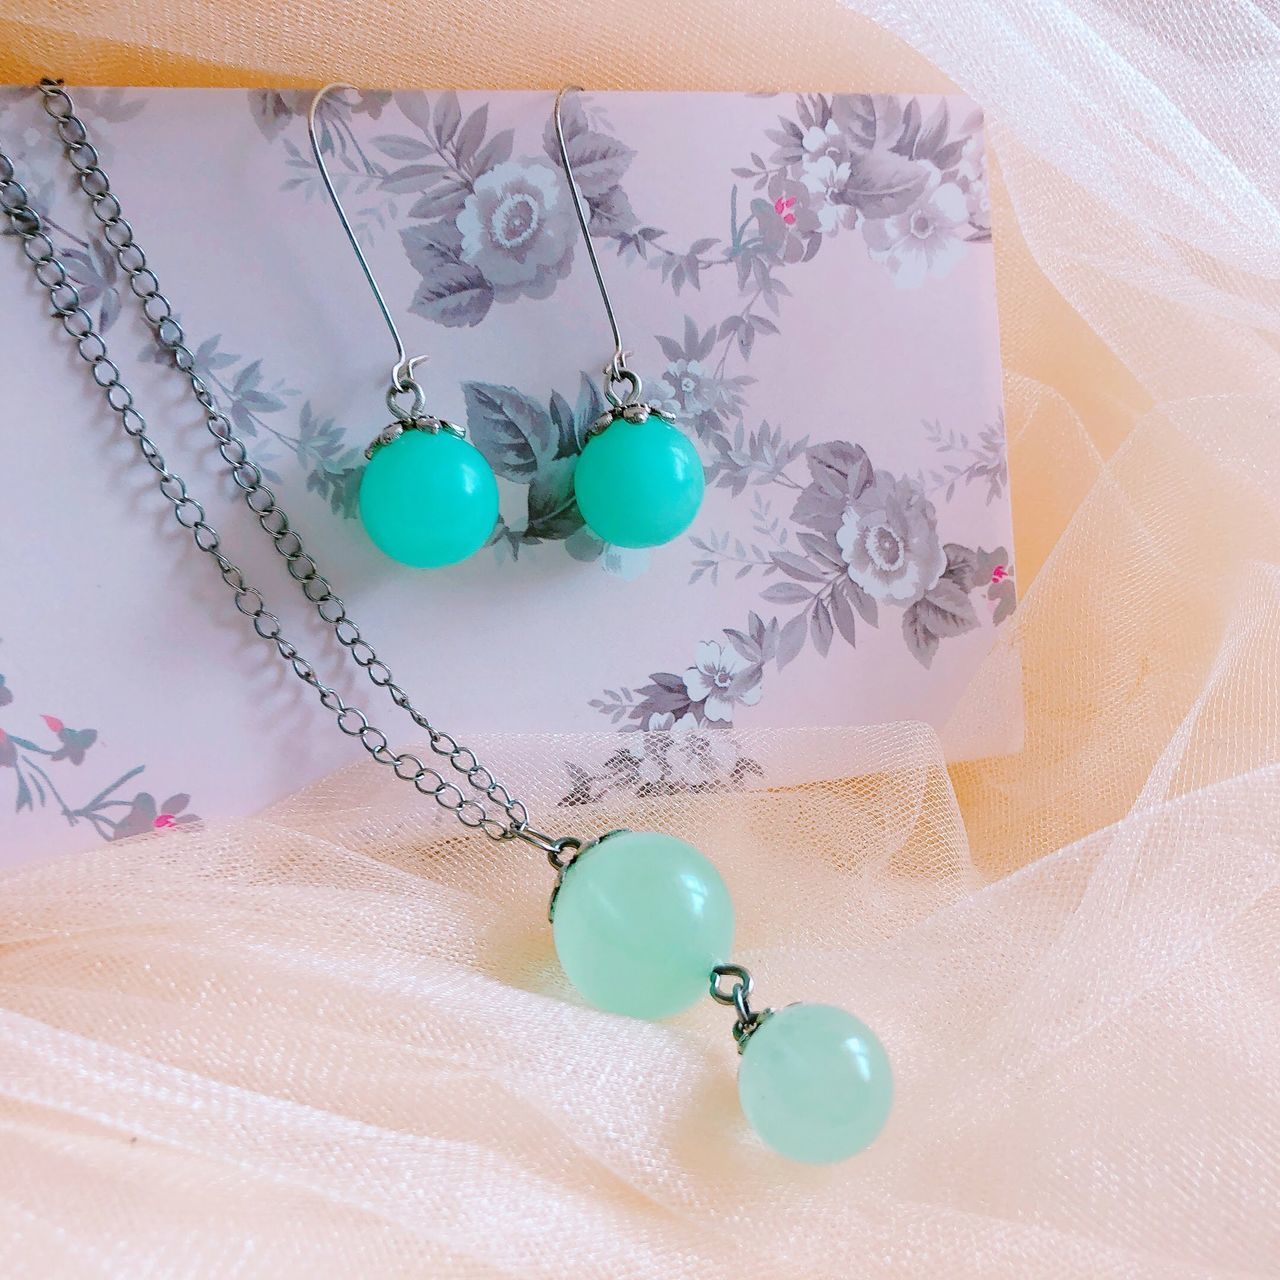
column 739, row 996
column 258, row 497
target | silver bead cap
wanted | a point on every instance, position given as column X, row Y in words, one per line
column 394, row 430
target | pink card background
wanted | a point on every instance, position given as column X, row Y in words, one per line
column 135, row 696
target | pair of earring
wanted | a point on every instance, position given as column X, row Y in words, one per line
column 428, row 496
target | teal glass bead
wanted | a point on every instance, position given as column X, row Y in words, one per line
column 640, row 919
column 639, row 484
column 428, row 498
column 815, row 1083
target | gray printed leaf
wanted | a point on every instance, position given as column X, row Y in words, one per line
column 962, row 566
column 862, row 602
column 670, row 348
column 842, row 615
column 443, row 200
column 825, row 550
column 583, row 545
column 416, row 107
column 791, row 640
column 410, row 179
column 598, row 160
column 494, row 152
column 1004, row 595
column 271, row 112
column 471, row 135
column 590, row 406
column 402, row 147
column 922, row 642
column 447, row 116
column 795, row 566
column 883, row 183
column 820, row 628
column 946, row 609
column 261, row 402
column 611, row 213
column 841, row 470
column 112, row 104
column 553, row 510
column 566, row 428
column 452, row 292
column 986, row 561
column 786, row 593
column 513, row 431
column 855, row 113
column 909, row 130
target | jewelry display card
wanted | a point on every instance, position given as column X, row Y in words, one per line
column 805, row 281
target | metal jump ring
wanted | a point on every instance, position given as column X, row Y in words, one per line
column 416, row 411
column 555, row 847
column 738, row 993
column 614, row 375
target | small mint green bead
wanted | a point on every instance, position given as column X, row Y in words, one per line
column 639, row 922
column 428, row 499
column 815, row 1083
column 639, row 484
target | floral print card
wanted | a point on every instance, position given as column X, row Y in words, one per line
column 804, row 280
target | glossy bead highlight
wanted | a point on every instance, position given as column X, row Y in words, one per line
column 639, row 484
column 639, row 921
column 428, row 499
column 815, row 1083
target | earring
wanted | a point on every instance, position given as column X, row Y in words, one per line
column 428, row 496
column 639, row 480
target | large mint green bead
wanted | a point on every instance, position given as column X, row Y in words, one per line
column 639, row 484
column 815, row 1083
column 428, row 499
column 639, row 922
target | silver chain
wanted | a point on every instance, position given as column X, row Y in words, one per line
column 39, row 250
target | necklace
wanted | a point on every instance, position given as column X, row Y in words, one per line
column 642, row 922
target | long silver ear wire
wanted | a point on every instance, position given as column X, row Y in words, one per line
column 403, row 382
column 628, row 405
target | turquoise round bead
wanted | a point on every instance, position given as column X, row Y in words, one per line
column 815, row 1083
column 639, row 484
column 639, row 922
column 428, row 499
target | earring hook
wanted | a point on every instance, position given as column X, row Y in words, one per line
column 402, row 371
column 616, row 371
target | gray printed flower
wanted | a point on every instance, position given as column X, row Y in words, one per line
column 928, row 238
column 827, row 141
column 972, row 166
column 888, row 539
column 689, row 388
column 681, row 758
column 517, row 228
column 663, row 722
column 826, row 179
column 695, row 757
column 145, row 814
column 720, row 679
column 971, row 175
column 825, row 172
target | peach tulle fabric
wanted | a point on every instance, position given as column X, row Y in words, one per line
column 333, row 1042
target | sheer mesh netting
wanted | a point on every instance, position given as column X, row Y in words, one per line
column 333, row 1040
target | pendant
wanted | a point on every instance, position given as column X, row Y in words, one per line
column 639, row 920
column 814, row 1083
column 643, row 923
